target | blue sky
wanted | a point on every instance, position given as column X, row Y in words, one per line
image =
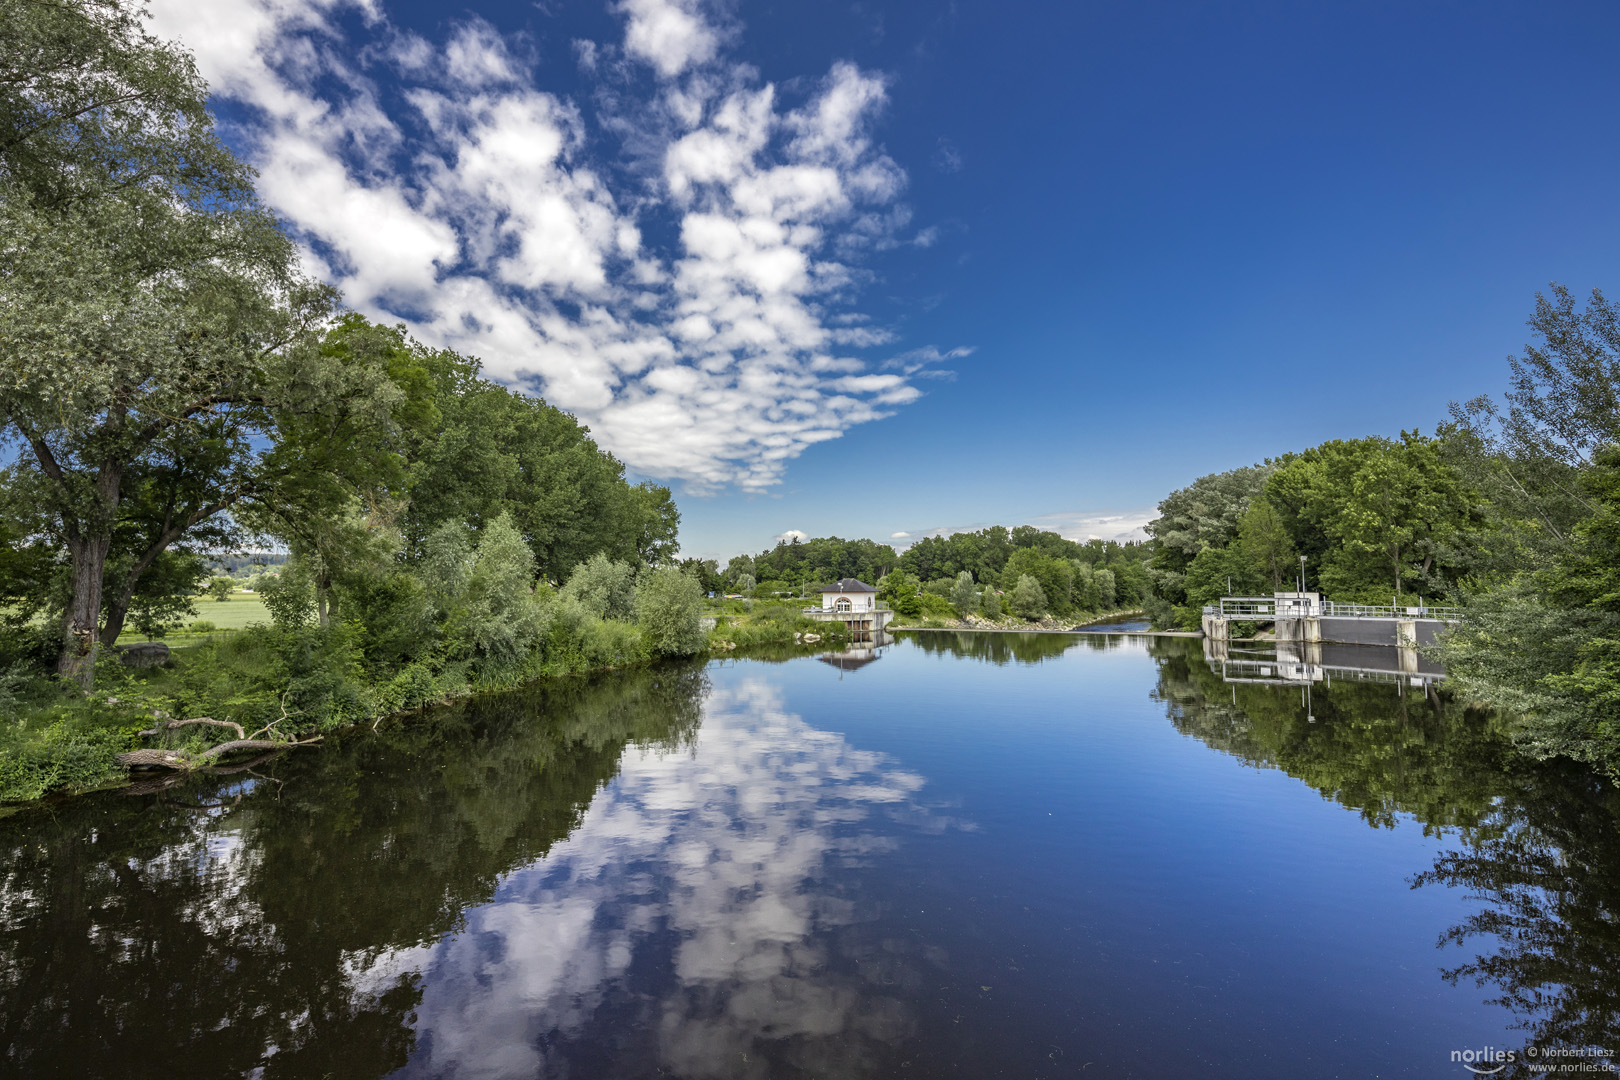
column 877, row 268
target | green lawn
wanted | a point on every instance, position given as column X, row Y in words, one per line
column 233, row 614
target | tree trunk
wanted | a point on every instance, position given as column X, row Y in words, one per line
column 117, row 612
column 78, row 660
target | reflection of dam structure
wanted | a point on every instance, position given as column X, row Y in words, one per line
column 859, row 653
column 1299, row 663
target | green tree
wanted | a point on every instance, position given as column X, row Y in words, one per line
column 603, row 587
column 902, row 592
column 745, row 583
column 669, row 610
column 221, row 588
column 964, row 595
column 658, row 521
column 1266, row 542
column 990, row 603
column 1028, row 598
column 146, row 293
column 1406, row 507
column 1203, row 515
column 503, row 617
column 1106, row 592
column 1054, row 575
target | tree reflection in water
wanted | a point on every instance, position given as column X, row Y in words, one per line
column 471, row 895
column 229, row 926
column 1006, row 647
column 1539, row 843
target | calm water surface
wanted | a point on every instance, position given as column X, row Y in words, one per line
column 962, row 855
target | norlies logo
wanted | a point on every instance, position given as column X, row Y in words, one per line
column 1484, row 1062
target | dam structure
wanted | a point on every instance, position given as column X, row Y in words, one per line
column 1307, row 617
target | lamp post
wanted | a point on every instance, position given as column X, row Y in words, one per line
column 1302, row 574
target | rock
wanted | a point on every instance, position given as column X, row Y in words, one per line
column 144, row 654
column 812, row 637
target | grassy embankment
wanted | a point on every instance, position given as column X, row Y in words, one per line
column 55, row 739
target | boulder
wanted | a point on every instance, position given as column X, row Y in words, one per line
column 143, row 654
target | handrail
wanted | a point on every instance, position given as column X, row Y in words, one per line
column 1268, row 609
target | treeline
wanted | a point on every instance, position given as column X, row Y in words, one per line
column 1373, row 520
column 965, row 573
column 1510, row 510
column 172, row 385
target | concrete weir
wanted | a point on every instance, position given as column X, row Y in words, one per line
column 1306, row 617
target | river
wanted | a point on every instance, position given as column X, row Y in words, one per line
column 959, row 855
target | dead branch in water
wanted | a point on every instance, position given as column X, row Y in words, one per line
column 188, row 761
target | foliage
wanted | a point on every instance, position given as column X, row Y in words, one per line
column 1266, row 545
column 603, row 587
column 1028, row 598
column 669, row 610
column 990, row 603
column 964, row 595
column 902, row 592
column 1053, row 574
column 220, row 588
column 1206, row 514
column 289, row 597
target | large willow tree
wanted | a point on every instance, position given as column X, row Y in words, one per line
column 149, row 306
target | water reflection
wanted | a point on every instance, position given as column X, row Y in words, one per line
column 238, row 927
column 471, row 896
column 691, row 915
column 1537, row 844
column 1294, row 663
column 645, row 875
column 1007, row 647
column 858, row 654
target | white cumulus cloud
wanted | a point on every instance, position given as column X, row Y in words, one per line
column 437, row 183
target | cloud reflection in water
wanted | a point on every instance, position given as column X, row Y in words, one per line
column 693, row 924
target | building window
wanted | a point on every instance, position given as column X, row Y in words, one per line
column 842, row 604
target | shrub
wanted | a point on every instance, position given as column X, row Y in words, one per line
column 202, row 626
column 605, row 588
column 669, row 610
column 289, row 597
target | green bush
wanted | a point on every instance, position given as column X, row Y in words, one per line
column 202, row 626
column 58, row 756
column 669, row 610
column 603, row 587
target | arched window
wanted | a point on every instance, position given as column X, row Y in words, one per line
column 842, row 604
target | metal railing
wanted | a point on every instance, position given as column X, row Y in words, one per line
column 851, row 611
column 1334, row 610
column 1245, row 607
column 1286, row 673
column 1268, row 609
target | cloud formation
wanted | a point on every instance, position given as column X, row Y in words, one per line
column 436, row 183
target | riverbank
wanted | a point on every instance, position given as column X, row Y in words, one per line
column 266, row 689
column 1044, row 625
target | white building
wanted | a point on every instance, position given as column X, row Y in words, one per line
column 847, row 594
